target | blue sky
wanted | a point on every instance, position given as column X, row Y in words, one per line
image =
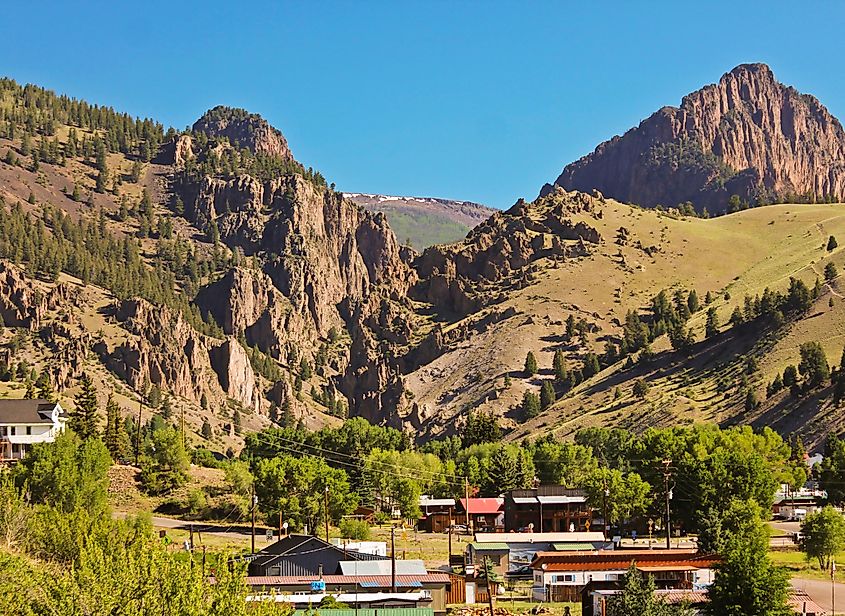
column 483, row 101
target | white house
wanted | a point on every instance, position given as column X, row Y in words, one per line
column 26, row 422
column 561, row 576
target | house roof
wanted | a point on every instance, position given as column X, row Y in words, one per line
column 799, row 599
column 305, row 544
column 365, row 581
column 573, row 537
column 613, row 560
column 483, row 506
column 382, row 567
column 27, row 411
column 437, row 502
column 576, row 546
column 348, row 597
column 561, row 499
column 490, row 547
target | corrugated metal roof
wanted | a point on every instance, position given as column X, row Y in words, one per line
column 561, row 500
column 573, row 546
column 437, row 502
column 490, row 547
column 483, row 506
column 382, row 567
column 381, row 581
column 525, row 500
column 612, row 560
column 562, row 537
column 382, row 611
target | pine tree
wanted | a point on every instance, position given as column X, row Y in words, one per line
column 287, row 418
column 547, row 395
column 503, row 473
column 711, row 327
column 44, row 387
column 83, row 419
column 559, row 367
column 524, row 469
column 30, row 393
column 166, row 407
column 530, row 405
column 692, row 301
column 116, row 439
column 530, row 364
column 206, row 430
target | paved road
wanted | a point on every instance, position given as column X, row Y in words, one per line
column 819, row 591
column 786, row 527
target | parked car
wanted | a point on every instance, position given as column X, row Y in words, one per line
column 523, row 572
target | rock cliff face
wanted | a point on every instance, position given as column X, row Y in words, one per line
column 320, row 258
column 499, row 250
column 23, row 303
column 247, row 130
column 746, row 135
column 169, row 353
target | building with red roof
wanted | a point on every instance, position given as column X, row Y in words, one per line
column 561, row 576
column 485, row 514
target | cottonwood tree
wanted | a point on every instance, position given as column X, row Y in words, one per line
column 747, row 583
column 824, row 535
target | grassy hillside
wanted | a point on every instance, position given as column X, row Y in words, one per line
column 421, row 222
column 729, row 257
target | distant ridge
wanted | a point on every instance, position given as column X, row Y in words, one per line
column 424, row 221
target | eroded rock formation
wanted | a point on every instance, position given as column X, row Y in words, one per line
column 746, row 135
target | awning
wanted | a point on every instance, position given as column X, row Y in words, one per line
column 525, row 500
column 561, row 500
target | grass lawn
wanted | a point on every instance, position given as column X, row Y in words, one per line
column 796, row 562
column 433, row 548
column 522, row 606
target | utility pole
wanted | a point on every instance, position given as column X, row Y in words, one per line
column 138, row 434
column 668, row 494
column 327, row 513
column 254, row 504
column 280, row 523
column 392, row 558
column 833, row 587
column 488, row 573
column 606, row 522
column 191, row 530
column 466, row 498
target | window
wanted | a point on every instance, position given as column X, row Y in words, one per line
column 613, row 577
column 28, row 430
column 12, row 430
column 275, row 571
column 567, row 577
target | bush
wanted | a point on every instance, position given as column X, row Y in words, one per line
column 355, row 529
column 197, row 502
column 204, row 457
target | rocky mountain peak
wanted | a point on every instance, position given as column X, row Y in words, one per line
column 248, row 130
column 747, row 135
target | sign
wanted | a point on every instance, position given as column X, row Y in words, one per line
column 269, row 534
column 318, row 586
